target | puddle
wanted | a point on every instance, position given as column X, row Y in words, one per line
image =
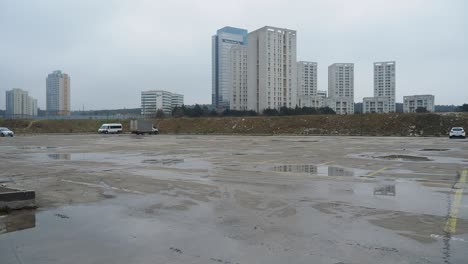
column 17, row 220
column 404, row 158
column 126, row 159
column 407, row 158
column 163, row 161
column 36, row 147
column 434, row 149
column 319, row 170
column 387, row 190
column 58, row 156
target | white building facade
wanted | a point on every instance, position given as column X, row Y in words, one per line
column 307, row 85
column 384, row 89
column 58, row 93
column 379, row 104
column 306, row 78
column 271, row 68
column 239, row 97
column 341, row 88
column 154, row 100
column 177, row 100
column 19, row 104
column 413, row 102
column 222, row 42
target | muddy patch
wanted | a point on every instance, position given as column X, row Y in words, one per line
column 17, row 220
column 182, row 206
column 418, row 227
column 434, row 149
column 403, row 158
column 166, row 162
column 320, row 170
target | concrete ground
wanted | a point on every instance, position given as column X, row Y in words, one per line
column 236, row 199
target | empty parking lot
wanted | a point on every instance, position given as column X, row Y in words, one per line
column 236, row 199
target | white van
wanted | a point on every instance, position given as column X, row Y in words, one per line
column 110, row 129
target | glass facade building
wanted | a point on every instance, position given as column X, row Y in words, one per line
column 222, row 42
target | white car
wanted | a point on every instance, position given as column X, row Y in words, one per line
column 6, row 132
column 457, row 132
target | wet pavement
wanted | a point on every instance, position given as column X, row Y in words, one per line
column 236, row 199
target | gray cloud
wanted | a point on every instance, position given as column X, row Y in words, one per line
column 114, row 49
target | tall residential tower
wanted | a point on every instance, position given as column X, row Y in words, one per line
column 384, row 89
column 19, row 104
column 239, row 94
column 384, row 82
column 58, row 94
column 341, row 88
column 272, row 68
column 307, row 85
column 225, row 39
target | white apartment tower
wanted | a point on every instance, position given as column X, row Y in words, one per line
column 306, row 78
column 154, row 100
column 58, row 93
column 225, row 39
column 238, row 100
column 19, row 104
column 272, row 68
column 384, row 82
column 307, row 85
column 341, row 88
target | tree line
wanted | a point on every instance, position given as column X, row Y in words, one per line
column 204, row 111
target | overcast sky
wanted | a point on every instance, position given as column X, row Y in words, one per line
column 113, row 50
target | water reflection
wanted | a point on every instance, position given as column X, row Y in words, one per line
column 315, row 170
column 312, row 169
column 17, row 220
column 387, row 190
column 163, row 161
column 59, row 156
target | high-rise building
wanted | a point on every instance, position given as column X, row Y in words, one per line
column 306, row 78
column 58, row 93
column 19, row 104
column 239, row 95
column 307, row 85
column 222, row 42
column 384, row 89
column 271, row 68
column 154, row 100
column 341, row 88
column 413, row 102
column 384, row 82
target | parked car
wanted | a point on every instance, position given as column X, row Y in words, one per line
column 6, row 132
column 115, row 128
column 457, row 132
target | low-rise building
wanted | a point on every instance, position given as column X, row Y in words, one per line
column 154, row 100
column 177, row 100
column 378, row 104
column 413, row 102
column 317, row 100
column 342, row 105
